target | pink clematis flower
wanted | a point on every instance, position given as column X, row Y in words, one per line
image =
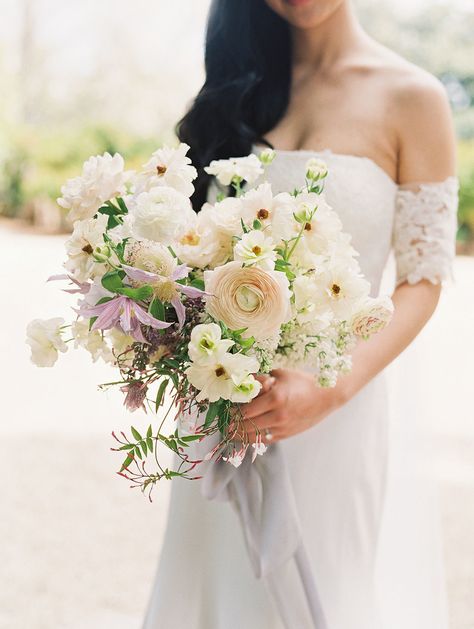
column 82, row 287
column 122, row 311
column 172, row 287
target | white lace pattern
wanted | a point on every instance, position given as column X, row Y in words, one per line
column 424, row 231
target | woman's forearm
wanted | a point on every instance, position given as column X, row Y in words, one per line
column 414, row 305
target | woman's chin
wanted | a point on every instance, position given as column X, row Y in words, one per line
column 304, row 14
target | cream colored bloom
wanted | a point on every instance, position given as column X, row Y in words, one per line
column 309, row 308
column 255, row 249
column 371, row 316
column 207, row 344
column 45, row 341
column 102, row 179
column 316, row 169
column 236, row 168
column 91, row 340
column 341, row 288
column 162, row 214
column 168, row 167
column 248, row 297
column 267, row 156
column 86, row 239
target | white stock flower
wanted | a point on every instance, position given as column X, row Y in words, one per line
column 86, row 237
column 207, row 344
column 228, row 377
column 102, row 179
column 168, row 167
column 255, row 249
column 161, row 214
column 371, row 316
column 45, row 341
column 247, row 168
column 248, row 297
column 90, row 340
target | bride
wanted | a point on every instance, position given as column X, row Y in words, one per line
column 303, row 77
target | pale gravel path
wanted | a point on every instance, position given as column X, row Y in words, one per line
column 78, row 548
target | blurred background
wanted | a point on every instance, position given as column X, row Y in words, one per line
column 78, row 549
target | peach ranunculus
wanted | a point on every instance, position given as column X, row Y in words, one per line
column 373, row 315
column 248, row 297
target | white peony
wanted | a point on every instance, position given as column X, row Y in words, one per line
column 168, row 167
column 102, row 179
column 227, row 377
column 162, row 214
column 207, row 344
column 247, row 168
column 248, row 297
column 254, row 248
column 86, row 239
column 45, row 341
column 371, row 316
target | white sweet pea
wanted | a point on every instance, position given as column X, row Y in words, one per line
column 102, row 179
column 162, row 214
column 206, row 344
column 228, row 377
column 168, row 167
column 91, row 340
column 45, row 341
column 254, row 248
column 235, row 169
column 86, row 240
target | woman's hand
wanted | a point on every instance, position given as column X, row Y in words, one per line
column 290, row 402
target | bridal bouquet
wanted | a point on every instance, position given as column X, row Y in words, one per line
column 191, row 307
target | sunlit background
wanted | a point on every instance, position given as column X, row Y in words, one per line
column 78, row 549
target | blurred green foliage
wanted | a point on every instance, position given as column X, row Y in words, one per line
column 466, row 194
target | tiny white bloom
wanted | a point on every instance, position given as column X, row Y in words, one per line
column 102, row 179
column 206, row 344
column 316, row 169
column 267, row 156
column 44, row 339
column 247, row 168
column 236, row 457
column 254, row 248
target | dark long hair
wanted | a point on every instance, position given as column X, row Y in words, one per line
column 247, row 86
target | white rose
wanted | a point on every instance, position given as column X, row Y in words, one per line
column 372, row 315
column 168, row 167
column 254, row 248
column 248, row 297
column 86, row 239
column 102, row 179
column 236, row 169
column 228, row 377
column 162, row 214
column 44, row 339
column 206, row 344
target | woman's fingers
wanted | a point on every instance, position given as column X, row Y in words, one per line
column 266, row 381
column 249, row 429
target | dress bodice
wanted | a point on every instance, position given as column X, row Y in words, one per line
column 419, row 224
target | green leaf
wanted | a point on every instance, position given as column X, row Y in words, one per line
column 157, row 309
column 136, row 434
column 122, row 205
column 159, row 395
column 171, row 362
column 149, row 432
column 138, row 452
column 198, row 283
column 212, row 412
column 112, row 281
column 127, row 446
column 127, row 461
column 143, row 446
column 257, row 224
column 189, row 438
column 149, row 442
column 138, row 294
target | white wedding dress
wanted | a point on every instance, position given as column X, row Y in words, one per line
column 361, row 557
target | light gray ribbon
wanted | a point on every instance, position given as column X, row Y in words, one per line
column 262, row 495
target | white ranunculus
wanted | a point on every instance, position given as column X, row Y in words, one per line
column 255, row 249
column 247, row 168
column 207, row 344
column 161, row 214
column 371, row 316
column 86, row 238
column 168, row 167
column 248, row 297
column 45, row 341
column 91, row 340
column 102, row 179
column 228, row 377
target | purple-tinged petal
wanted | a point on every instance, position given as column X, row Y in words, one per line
column 126, row 315
column 180, row 310
column 139, row 275
column 191, row 291
column 136, row 331
column 109, row 315
column 60, row 276
column 180, row 272
column 83, row 287
column 147, row 319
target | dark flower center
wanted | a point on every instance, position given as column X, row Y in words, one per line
column 263, row 214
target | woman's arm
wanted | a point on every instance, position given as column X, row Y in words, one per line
column 426, row 154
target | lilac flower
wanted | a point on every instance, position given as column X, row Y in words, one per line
column 124, row 311
column 135, row 394
column 167, row 287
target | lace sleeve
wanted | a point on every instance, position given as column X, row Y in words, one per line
column 424, row 231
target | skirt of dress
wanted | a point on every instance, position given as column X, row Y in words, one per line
column 338, row 474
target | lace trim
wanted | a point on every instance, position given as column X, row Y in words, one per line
column 424, row 232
